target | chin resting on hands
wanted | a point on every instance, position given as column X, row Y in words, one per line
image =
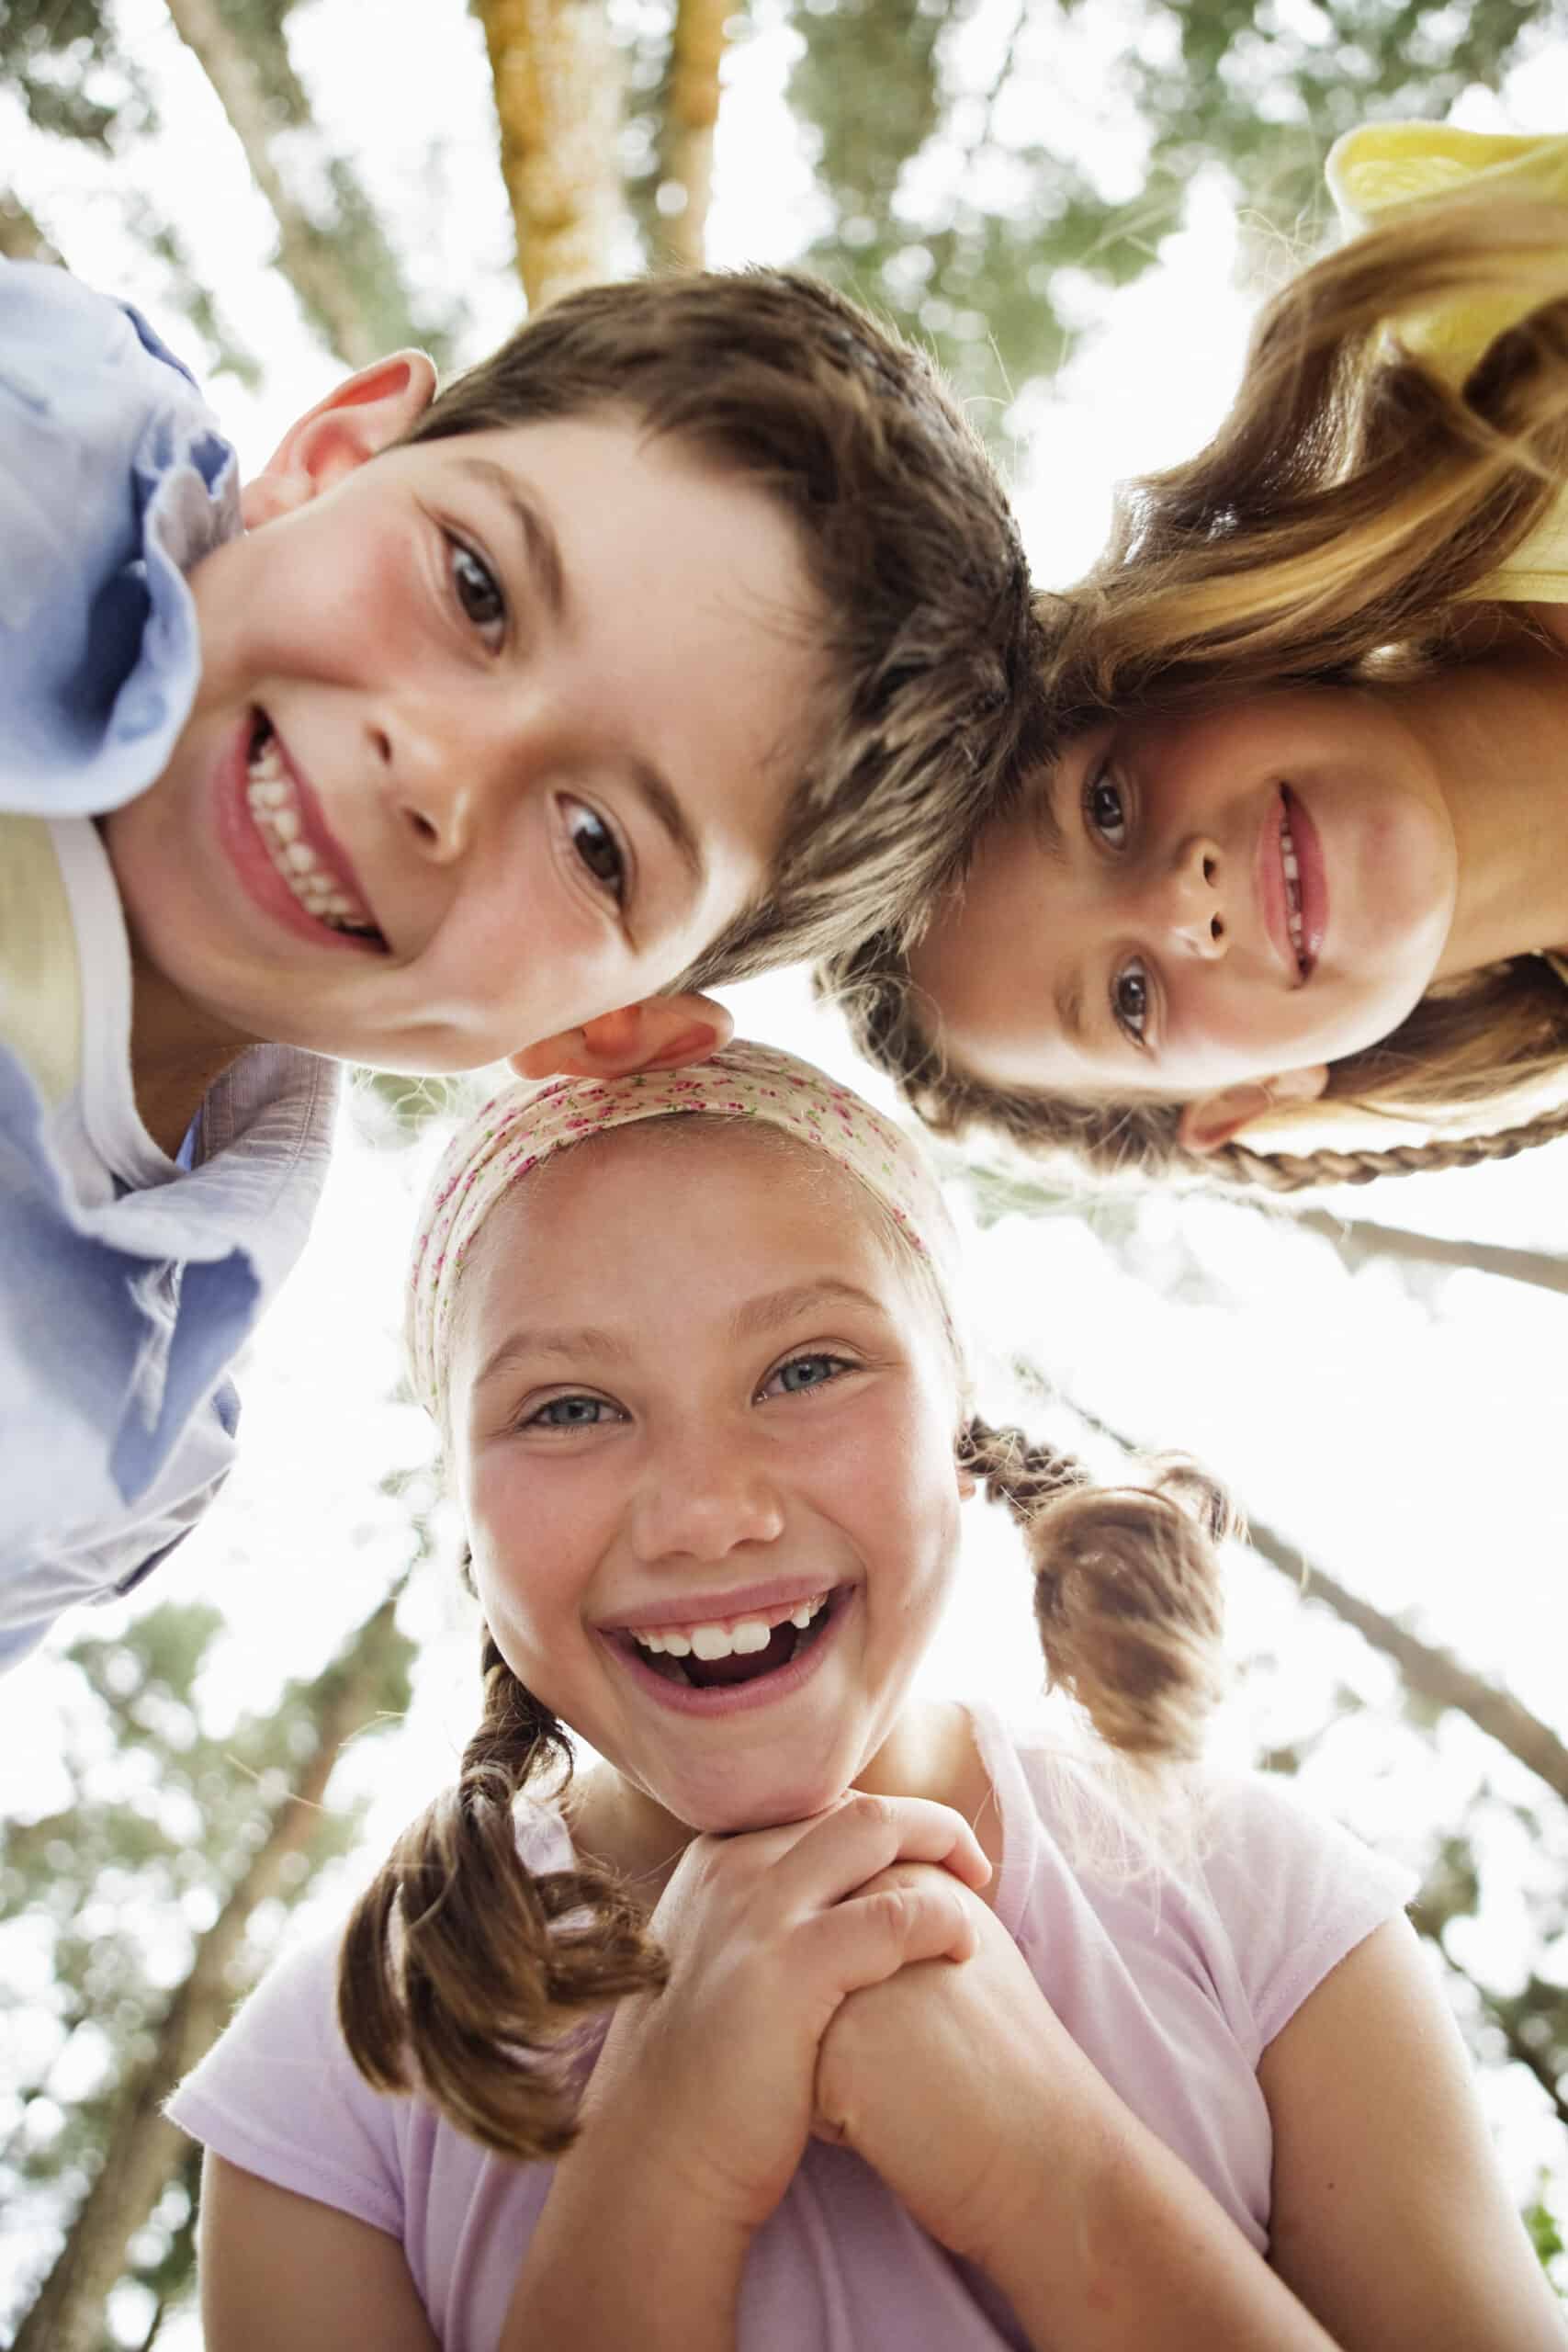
column 767, row 1933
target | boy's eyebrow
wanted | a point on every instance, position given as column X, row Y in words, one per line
column 541, row 549
column 662, row 802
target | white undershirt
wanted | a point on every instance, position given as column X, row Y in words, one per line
column 65, row 966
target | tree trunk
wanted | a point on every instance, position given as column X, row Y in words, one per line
column 558, row 100
column 143, row 2149
column 691, row 111
column 305, row 253
column 1359, row 1242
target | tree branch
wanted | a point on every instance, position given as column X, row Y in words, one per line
column 1359, row 1241
column 1432, row 1673
column 308, row 253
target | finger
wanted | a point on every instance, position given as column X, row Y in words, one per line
column 865, row 1835
column 870, row 1938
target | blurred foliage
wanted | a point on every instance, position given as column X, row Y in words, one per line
column 950, row 211
column 71, row 65
column 105, row 1901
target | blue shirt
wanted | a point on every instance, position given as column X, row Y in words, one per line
column 117, row 1318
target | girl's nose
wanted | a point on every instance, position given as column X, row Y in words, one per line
column 1188, row 902
column 703, row 1503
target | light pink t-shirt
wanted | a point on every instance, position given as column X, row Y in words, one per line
column 1173, row 1983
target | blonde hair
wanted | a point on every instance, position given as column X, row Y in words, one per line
column 465, row 1974
column 1340, row 529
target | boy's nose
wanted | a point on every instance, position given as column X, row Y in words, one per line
column 1186, row 901
column 441, row 768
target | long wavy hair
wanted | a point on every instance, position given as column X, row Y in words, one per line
column 1341, row 528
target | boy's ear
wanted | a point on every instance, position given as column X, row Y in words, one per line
column 1220, row 1118
column 661, row 1032
column 356, row 421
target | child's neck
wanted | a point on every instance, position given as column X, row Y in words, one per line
column 176, row 1057
column 1499, row 734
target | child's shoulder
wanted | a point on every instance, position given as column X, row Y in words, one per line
column 1267, row 1891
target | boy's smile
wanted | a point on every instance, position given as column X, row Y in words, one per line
column 493, row 734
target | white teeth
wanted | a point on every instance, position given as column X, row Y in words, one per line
column 1291, row 866
column 275, row 808
column 743, row 1639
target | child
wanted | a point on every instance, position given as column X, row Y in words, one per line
column 679, row 639
column 951, row 2050
column 1306, row 823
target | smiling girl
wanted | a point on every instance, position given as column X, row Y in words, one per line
column 1306, row 826
column 811, row 2014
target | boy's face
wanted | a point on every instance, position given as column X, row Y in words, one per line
column 494, row 735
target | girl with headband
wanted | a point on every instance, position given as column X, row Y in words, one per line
column 813, row 2015
column 1302, row 853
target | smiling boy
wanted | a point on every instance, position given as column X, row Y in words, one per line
column 683, row 637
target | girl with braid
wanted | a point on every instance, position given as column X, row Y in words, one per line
column 812, row 2014
column 1301, row 853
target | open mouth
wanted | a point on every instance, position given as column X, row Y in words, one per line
column 285, row 832
column 747, row 1649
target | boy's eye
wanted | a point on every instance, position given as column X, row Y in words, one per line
column 571, row 1413
column 1105, row 810
column 809, row 1371
column 477, row 589
column 1130, row 1000
column 596, row 847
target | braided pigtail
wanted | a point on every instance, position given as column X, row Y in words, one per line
column 1127, row 1587
column 1286, row 1172
column 465, row 1972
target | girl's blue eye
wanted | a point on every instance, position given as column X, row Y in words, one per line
column 596, row 848
column 810, row 1372
column 571, row 1413
column 1130, row 1000
column 1105, row 809
column 477, row 589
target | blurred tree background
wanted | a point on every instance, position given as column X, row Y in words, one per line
column 995, row 175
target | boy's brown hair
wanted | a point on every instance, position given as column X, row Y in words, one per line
column 932, row 649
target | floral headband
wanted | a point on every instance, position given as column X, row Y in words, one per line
column 525, row 1123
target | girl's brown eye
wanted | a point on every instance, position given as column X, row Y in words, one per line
column 1130, row 1000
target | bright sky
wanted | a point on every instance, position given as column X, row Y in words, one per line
column 1410, row 1447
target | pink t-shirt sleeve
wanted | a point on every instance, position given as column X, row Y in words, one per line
column 280, row 2096
column 1294, row 1893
